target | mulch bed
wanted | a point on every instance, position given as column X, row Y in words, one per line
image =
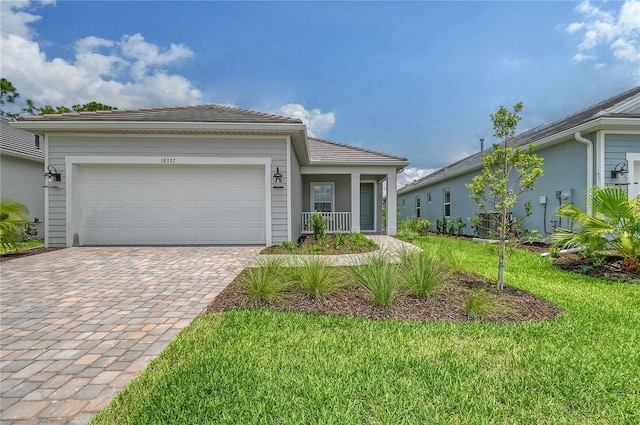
column 447, row 305
column 606, row 268
column 307, row 243
column 26, row 253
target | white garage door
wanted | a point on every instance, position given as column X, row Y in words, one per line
column 164, row 205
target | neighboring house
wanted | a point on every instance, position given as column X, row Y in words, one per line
column 203, row 175
column 599, row 146
column 22, row 171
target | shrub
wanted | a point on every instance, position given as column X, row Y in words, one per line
column 13, row 218
column 340, row 239
column 480, row 304
column 359, row 240
column 380, row 279
column 422, row 273
column 415, row 225
column 316, row 277
column 267, row 282
column 319, row 226
column 452, row 226
column 289, row 245
column 615, row 224
column 407, row 235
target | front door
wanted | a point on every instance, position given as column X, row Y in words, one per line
column 367, row 207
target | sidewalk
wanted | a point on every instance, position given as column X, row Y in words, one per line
column 388, row 245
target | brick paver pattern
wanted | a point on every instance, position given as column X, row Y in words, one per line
column 77, row 325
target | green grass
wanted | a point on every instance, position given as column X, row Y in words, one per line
column 265, row 367
column 22, row 246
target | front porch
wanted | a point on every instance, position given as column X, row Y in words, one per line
column 351, row 201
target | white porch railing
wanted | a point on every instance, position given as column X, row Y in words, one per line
column 336, row 221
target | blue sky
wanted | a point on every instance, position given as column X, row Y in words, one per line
column 415, row 79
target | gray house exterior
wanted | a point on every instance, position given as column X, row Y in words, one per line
column 579, row 152
column 22, row 171
column 203, row 175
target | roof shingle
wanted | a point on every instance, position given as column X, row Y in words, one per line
column 202, row 113
column 20, row 142
column 607, row 108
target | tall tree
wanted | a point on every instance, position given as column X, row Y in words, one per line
column 507, row 172
column 8, row 94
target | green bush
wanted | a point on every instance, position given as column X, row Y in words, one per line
column 340, row 239
column 13, row 218
column 319, row 226
column 614, row 224
column 480, row 304
column 381, row 280
column 423, row 273
column 289, row 245
column 267, row 282
column 452, row 226
column 317, row 278
column 359, row 240
column 415, row 225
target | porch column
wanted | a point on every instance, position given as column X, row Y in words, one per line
column 392, row 203
column 355, row 202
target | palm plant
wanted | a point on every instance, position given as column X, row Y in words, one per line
column 615, row 224
column 13, row 217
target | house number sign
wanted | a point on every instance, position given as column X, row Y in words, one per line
column 167, row 160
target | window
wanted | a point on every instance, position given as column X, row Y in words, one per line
column 428, row 197
column 418, row 206
column 447, row 202
column 322, row 197
column 403, row 203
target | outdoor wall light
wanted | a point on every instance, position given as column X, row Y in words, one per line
column 619, row 170
column 277, row 179
column 52, row 175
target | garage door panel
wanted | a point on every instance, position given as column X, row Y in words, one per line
column 172, row 205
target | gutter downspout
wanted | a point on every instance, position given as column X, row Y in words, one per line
column 589, row 144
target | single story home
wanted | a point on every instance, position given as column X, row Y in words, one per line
column 598, row 146
column 22, row 172
column 203, row 175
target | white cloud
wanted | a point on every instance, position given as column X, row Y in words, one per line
column 317, row 123
column 619, row 32
column 411, row 174
column 15, row 16
column 126, row 73
column 579, row 57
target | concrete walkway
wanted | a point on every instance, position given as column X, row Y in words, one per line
column 77, row 325
column 388, row 245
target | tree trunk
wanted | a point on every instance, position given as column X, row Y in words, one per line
column 501, row 250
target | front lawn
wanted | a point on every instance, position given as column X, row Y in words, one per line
column 259, row 366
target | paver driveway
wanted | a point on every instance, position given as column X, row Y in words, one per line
column 78, row 324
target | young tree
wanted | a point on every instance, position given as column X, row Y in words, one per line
column 508, row 172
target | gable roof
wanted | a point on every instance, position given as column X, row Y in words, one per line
column 19, row 143
column 622, row 109
column 210, row 119
column 328, row 152
column 201, row 113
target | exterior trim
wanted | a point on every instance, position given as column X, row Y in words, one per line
column 601, row 154
column 288, row 186
column 71, row 184
column 46, row 193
